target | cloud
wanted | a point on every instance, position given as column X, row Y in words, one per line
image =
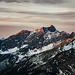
column 47, row 1
column 36, row 1
column 34, row 9
column 67, row 15
column 34, row 14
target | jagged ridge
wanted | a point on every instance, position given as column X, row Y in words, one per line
column 40, row 52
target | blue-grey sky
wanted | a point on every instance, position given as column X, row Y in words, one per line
column 16, row 15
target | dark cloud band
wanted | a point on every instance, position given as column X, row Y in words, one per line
column 36, row 1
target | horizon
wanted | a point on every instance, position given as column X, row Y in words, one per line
column 30, row 15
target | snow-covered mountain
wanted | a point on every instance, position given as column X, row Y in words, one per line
column 37, row 52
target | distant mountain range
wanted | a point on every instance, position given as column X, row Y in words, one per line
column 44, row 51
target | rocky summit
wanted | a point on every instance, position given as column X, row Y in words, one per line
column 50, row 28
column 44, row 51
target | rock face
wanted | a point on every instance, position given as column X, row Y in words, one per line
column 15, row 40
column 33, row 39
column 42, row 52
column 51, row 29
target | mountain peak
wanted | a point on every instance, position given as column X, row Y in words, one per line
column 50, row 28
column 23, row 31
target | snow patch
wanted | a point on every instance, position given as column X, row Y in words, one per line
column 37, row 51
column 24, row 46
column 74, row 44
column 20, row 57
column 61, row 73
column 67, row 47
column 9, row 51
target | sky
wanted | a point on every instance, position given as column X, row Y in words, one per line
column 17, row 15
